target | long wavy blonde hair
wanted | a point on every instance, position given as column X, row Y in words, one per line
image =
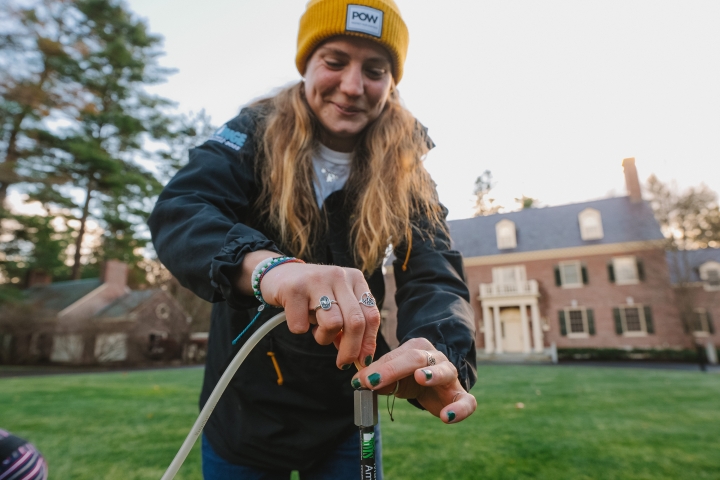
column 387, row 181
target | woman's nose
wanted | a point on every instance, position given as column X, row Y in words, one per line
column 352, row 81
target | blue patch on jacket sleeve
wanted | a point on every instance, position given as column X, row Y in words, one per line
column 229, row 137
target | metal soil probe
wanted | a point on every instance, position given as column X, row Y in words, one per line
column 366, row 417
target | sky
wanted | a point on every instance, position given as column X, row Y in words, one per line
column 550, row 96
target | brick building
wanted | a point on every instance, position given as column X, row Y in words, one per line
column 695, row 276
column 585, row 275
column 93, row 320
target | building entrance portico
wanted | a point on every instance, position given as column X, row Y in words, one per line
column 511, row 318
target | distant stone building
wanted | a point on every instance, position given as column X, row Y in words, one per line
column 585, row 275
column 94, row 320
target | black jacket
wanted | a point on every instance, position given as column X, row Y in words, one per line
column 202, row 227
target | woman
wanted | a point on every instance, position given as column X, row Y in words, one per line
column 329, row 171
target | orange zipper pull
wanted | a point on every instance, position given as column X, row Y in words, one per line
column 277, row 367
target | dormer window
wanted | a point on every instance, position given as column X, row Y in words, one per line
column 590, row 224
column 710, row 275
column 506, row 235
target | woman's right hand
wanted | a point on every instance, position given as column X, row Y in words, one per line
column 297, row 288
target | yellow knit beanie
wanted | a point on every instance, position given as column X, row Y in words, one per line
column 377, row 20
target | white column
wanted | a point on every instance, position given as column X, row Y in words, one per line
column 488, row 326
column 498, row 330
column 537, row 332
column 525, row 329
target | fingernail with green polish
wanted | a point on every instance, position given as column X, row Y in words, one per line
column 374, row 379
column 346, row 366
column 428, row 374
column 356, row 384
column 368, row 360
column 451, row 416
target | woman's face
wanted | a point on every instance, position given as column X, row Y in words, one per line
column 347, row 82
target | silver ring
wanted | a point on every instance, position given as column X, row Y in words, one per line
column 367, row 299
column 325, row 303
column 430, row 359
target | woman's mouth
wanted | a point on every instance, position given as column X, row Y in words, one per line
column 347, row 109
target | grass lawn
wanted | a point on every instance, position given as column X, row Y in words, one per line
column 578, row 423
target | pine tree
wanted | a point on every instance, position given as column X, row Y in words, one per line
column 38, row 244
column 39, row 50
column 80, row 134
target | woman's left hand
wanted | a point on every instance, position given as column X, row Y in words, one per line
column 435, row 386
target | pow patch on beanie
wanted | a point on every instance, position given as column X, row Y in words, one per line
column 229, row 137
column 364, row 19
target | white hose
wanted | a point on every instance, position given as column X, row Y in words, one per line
column 217, row 393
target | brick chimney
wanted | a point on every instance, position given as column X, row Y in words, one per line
column 38, row 278
column 115, row 273
column 632, row 182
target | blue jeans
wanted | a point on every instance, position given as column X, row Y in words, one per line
column 342, row 464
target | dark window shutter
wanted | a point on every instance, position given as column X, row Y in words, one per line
column 618, row 321
column 563, row 327
column 558, row 280
column 591, row 321
column 641, row 270
column 711, row 327
column 584, row 274
column 649, row 320
column 611, row 272
column 686, row 323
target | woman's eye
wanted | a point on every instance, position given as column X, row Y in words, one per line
column 332, row 64
column 376, row 72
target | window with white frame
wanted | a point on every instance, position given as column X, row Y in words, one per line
column 710, row 275
column 509, row 275
column 701, row 322
column 577, row 322
column 626, row 270
column 633, row 320
column 590, row 224
column 570, row 274
column 713, row 278
column 67, row 348
column 506, row 234
column 111, row 347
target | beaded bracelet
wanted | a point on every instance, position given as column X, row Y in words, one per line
column 257, row 276
column 264, row 267
column 276, row 264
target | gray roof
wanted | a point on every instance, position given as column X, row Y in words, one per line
column 684, row 264
column 126, row 304
column 58, row 296
column 557, row 227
